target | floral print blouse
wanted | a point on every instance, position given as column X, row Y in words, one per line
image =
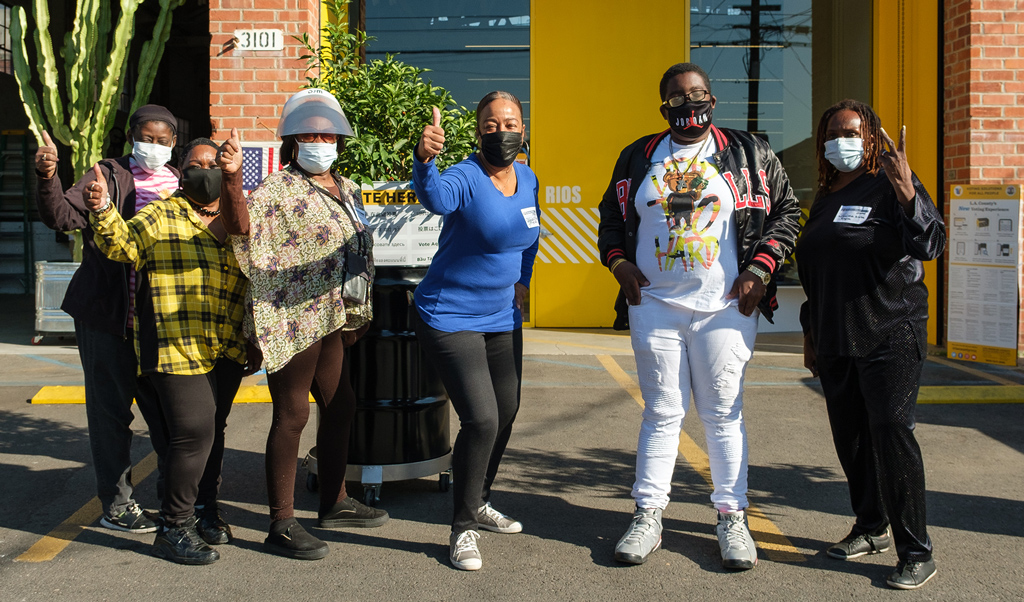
column 295, row 259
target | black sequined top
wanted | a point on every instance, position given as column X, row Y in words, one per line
column 864, row 279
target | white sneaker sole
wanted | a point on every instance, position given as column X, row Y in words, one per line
column 115, row 527
column 515, row 527
column 472, row 564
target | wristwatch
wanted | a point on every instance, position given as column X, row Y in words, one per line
column 763, row 275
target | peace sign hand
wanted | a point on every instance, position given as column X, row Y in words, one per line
column 432, row 141
column 894, row 162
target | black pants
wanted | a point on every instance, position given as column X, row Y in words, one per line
column 480, row 371
column 323, row 370
column 194, row 412
column 871, row 402
column 109, row 365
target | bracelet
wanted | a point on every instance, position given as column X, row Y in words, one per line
column 616, row 264
column 104, row 207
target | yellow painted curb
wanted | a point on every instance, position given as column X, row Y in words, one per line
column 76, row 394
column 972, row 394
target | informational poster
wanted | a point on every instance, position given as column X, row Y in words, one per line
column 984, row 261
column 404, row 233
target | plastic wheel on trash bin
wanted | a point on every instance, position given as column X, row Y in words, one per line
column 444, row 482
column 370, row 496
column 312, row 483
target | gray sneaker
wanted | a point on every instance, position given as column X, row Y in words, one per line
column 642, row 538
column 738, row 550
column 490, row 519
column 463, row 551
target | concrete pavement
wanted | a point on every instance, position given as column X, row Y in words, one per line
column 566, row 475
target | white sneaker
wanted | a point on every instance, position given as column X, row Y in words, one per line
column 464, row 553
column 738, row 549
column 642, row 537
column 490, row 519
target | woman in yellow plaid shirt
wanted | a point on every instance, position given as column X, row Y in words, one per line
column 189, row 304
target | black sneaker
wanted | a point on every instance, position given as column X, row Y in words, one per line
column 350, row 513
column 287, row 538
column 132, row 519
column 856, row 545
column 211, row 526
column 911, row 574
column 182, row 544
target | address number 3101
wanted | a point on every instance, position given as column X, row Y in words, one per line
column 259, row 39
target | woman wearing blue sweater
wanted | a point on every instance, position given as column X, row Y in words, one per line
column 468, row 302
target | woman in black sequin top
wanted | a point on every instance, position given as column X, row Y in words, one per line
column 865, row 328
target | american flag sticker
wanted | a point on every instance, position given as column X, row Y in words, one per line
column 258, row 162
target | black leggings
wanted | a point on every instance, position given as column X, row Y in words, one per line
column 480, row 371
column 871, row 402
column 193, row 412
column 322, row 370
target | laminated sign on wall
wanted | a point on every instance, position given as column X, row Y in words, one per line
column 984, row 264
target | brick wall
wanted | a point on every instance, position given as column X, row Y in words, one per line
column 248, row 88
column 984, row 96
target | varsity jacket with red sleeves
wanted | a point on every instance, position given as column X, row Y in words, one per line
column 767, row 213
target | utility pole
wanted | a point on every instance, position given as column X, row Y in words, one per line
column 755, row 8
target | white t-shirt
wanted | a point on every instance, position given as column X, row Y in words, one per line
column 686, row 244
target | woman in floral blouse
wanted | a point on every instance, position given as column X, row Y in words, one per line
column 300, row 240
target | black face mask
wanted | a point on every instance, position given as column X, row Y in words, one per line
column 500, row 148
column 200, row 185
column 690, row 120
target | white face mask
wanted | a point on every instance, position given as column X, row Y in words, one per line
column 845, row 153
column 317, row 157
column 150, row 157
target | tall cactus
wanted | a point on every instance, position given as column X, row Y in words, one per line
column 94, row 68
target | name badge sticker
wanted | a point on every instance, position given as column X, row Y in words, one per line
column 530, row 215
column 852, row 214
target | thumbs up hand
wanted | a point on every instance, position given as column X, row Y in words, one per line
column 95, row 192
column 432, row 141
column 229, row 157
column 46, row 158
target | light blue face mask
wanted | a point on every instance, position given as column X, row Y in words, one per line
column 845, row 154
column 317, row 157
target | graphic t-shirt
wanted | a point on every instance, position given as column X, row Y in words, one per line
column 148, row 187
column 686, row 243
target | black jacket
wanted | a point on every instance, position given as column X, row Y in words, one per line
column 98, row 292
column 767, row 212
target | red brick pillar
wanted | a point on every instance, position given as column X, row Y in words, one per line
column 248, row 88
column 984, row 97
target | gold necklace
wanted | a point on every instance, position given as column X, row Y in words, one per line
column 700, row 151
column 507, row 180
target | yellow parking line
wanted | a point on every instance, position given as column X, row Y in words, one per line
column 76, row 394
column 972, row 371
column 769, row 537
column 56, row 540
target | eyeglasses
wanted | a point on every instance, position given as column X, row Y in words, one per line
column 327, row 138
column 695, row 96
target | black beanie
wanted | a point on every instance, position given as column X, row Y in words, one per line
column 152, row 113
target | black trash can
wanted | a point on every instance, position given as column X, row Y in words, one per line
column 401, row 428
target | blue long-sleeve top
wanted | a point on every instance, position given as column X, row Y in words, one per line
column 488, row 243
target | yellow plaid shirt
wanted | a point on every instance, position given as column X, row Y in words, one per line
column 196, row 291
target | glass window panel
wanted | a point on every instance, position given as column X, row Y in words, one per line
column 776, row 65
column 470, row 47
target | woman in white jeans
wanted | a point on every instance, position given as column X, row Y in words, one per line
column 695, row 221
